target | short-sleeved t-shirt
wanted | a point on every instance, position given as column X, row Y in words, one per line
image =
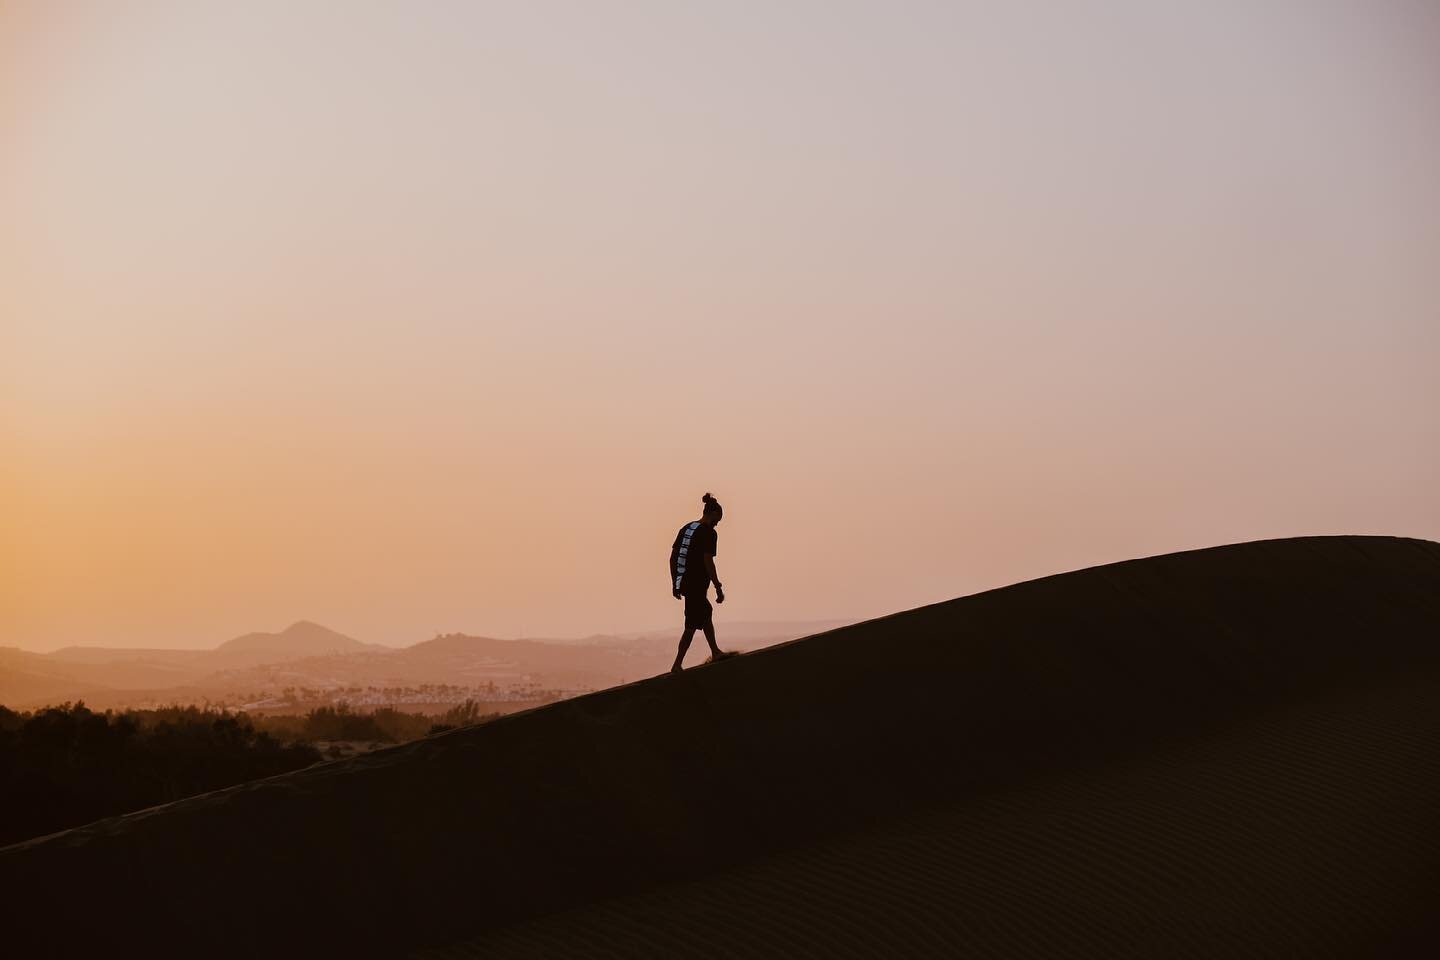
column 694, row 542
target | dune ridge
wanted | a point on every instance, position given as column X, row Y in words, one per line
column 1282, row 689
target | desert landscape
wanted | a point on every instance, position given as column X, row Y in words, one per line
column 307, row 665
column 636, row 479
column 1222, row 752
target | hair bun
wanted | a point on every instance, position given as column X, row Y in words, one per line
column 707, row 499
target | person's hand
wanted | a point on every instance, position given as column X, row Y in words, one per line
column 719, row 595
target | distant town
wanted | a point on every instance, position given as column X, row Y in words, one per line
column 424, row 698
column 307, row 666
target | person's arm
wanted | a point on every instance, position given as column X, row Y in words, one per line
column 715, row 579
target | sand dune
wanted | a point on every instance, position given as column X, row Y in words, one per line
column 1227, row 752
column 1289, row 836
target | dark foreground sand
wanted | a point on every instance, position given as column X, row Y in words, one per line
column 1223, row 753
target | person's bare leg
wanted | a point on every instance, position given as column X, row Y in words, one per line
column 685, row 639
column 709, row 629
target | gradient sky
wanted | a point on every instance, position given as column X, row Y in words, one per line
column 407, row 317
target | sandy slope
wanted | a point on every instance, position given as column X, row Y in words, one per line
column 1307, row 832
column 1226, row 752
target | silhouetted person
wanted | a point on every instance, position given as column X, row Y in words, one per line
column 692, row 569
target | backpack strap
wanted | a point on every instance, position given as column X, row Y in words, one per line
column 682, row 553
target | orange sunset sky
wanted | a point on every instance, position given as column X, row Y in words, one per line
column 406, row 317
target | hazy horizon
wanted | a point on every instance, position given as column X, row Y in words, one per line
column 745, row 627
column 441, row 318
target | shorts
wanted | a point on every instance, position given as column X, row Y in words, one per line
column 697, row 608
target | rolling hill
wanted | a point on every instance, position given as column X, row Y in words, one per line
column 301, row 639
column 1221, row 753
column 307, row 655
column 103, row 674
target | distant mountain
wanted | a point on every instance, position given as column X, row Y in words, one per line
column 29, row 680
column 27, row 677
column 106, row 655
column 125, row 669
column 309, row 655
column 20, row 690
column 299, row 640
